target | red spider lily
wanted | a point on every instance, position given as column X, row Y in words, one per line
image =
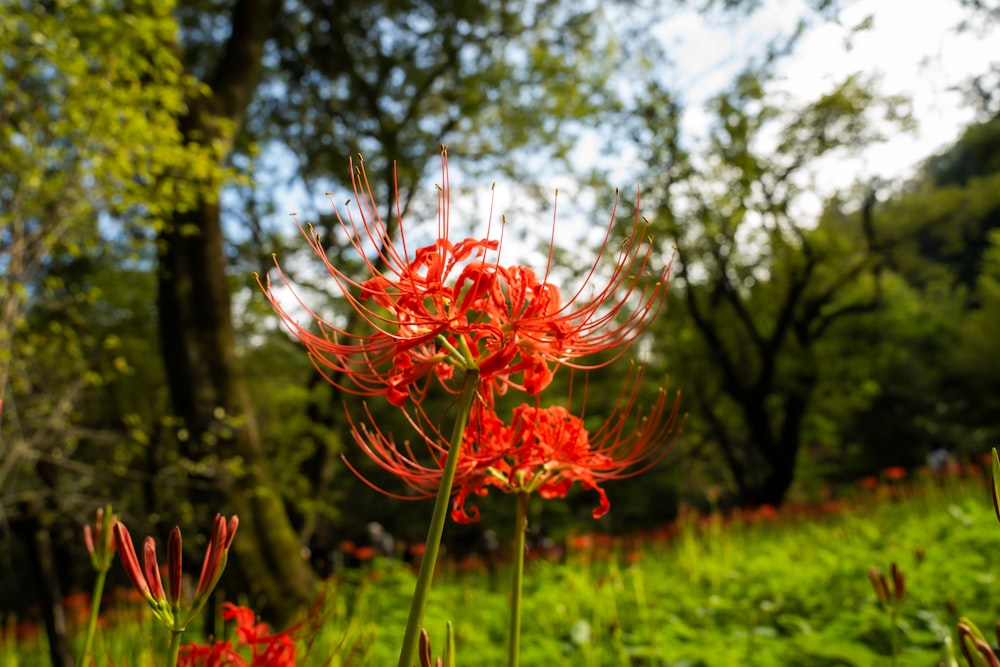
column 543, row 450
column 869, row 482
column 166, row 602
column 219, row 654
column 266, row 650
column 452, row 305
column 894, row 473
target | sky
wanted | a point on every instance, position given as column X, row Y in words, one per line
column 911, row 46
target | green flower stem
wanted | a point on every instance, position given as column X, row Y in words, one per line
column 517, row 579
column 175, row 647
column 470, row 387
column 95, row 609
column 893, row 612
column 173, row 651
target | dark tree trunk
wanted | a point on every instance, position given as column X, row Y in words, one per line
column 773, row 488
column 52, row 609
column 198, row 340
column 34, row 528
column 210, row 394
column 778, row 438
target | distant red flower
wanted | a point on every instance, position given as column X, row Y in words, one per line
column 767, row 512
column 77, row 607
column 869, row 482
column 365, row 553
column 544, row 450
column 448, row 306
column 895, row 473
column 127, row 596
column 24, row 632
column 266, row 650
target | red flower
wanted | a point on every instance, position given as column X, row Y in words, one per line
column 894, row 473
column 266, row 650
column 869, row 482
column 364, row 554
column 452, row 305
column 543, row 450
column 219, row 654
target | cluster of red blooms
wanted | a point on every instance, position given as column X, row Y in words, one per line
column 266, row 650
column 451, row 308
column 543, row 449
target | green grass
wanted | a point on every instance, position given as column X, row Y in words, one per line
column 788, row 590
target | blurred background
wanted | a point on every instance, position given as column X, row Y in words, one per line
column 828, row 172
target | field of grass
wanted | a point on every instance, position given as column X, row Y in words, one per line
column 788, row 588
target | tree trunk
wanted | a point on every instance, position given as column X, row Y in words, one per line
column 198, row 340
column 210, row 394
column 773, row 488
column 779, row 441
column 34, row 529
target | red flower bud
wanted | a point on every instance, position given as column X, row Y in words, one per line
column 126, row 551
column 152, row 569
column 174, row 569
column 167, row 603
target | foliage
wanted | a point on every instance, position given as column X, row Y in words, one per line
column 90, row 108
column 89, row 113
column 488, row 78
column 920, row 381
column 879, row 399
column 91, row 92
column 764, row 588
column 760, row 286
column 975, row 353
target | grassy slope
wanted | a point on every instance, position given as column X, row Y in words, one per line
column 787, row 590
column 782, row 591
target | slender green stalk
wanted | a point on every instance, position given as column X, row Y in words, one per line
column 95, row 609
column 407, row 655
column 175, row 647
column 895, row 634
column 642, row 605
column 517, row 580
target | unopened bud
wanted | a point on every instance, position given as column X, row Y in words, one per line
column 996, row 484
column 879, row 584
column 898, row 583
column 174, row 566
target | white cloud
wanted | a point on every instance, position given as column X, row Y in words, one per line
column 914, row 50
